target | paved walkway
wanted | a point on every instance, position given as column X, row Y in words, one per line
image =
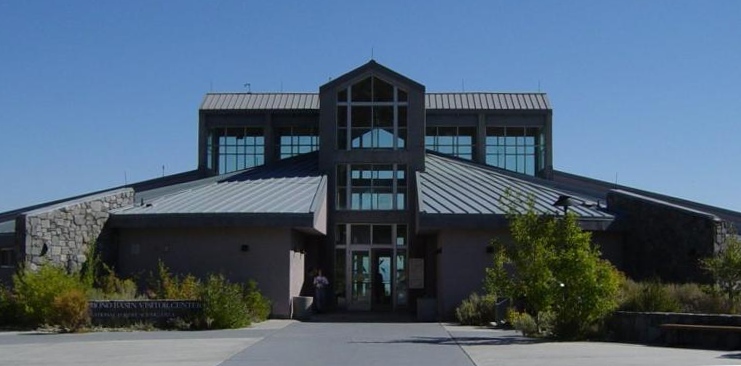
column 285, row 342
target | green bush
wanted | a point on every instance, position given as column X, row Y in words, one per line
column 69, row 310
column 170, row 286
column 553, row 267
column 223, row 304
column 650, row 296
column 523, row 322
column 477, row 310
column 9, row 309
column 36, row 290
column 257, row 304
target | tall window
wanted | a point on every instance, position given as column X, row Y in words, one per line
column 294, row 141
column 371, row 114
column 519, row 149
column 371, row 187
column 456, row 141
column 238, row 148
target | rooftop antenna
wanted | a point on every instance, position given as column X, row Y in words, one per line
column 371, row 52
column 463, row 85
column 163, row 170
column 616, row 179
column 249, row 87
column 126, row 179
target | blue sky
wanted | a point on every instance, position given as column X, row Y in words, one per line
column 96, row 92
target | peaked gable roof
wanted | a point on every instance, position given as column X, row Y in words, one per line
column 371, row 67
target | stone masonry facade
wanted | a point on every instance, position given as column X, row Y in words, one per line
column 62, row 234
column 665, row 241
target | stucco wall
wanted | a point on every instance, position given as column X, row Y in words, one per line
column 462, row 265
column 296, row 263
column 201, row 251
column 61, row 234
column 664, row 240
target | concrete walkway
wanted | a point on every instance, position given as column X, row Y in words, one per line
column 343, row 342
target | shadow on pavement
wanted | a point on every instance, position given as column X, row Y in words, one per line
column 732, row 356
column 463, row 341
column 361, row 317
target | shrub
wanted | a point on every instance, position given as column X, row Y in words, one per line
column 523, row 322
column 223, row 303
column 69, row 310
column 554, row 268
column 651, row 296
column 477, row 310
column 111, row 287
column 169, row 286
column 257, row 304
column 9, row 309
column 725, row 268
column 36, row 291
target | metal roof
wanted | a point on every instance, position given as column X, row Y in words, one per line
column 275, row 195
column 484, row 101
column 287, row 186
column 261, row 101
column 451, row 186
column 433, row 101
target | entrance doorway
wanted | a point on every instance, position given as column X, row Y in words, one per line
column 370, row 267
column 372, row 281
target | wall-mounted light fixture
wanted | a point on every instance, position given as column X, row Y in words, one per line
column 244, row 248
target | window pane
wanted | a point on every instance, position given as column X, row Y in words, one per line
column 401, row 235
column 361, row 92
column 360, row 234
column 402, row 95
column 383, row 91
column 382, row 234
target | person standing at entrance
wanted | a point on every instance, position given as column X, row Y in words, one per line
column 320, row 285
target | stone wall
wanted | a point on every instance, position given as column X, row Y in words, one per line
column 664, row 240
column 61, row 234
column 645, row 328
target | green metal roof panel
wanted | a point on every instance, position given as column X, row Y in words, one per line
column 288, row 186
column 452, row 186
column 433, row 101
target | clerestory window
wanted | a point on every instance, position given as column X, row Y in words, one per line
column 456, row 141
column 371, row 187
column 294, row 141
column 235, row 148
column 519, row 149
column 371, row 114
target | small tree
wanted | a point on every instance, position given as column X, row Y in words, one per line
column 725, row 268
column 554, row 268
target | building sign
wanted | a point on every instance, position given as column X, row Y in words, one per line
column 416, row 273
column 131, row 311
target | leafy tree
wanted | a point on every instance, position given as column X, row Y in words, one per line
column 553, row 267
column 725, row 268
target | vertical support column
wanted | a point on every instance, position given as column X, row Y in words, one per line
column 547, row 172
column 269, row 133
column 480, row 152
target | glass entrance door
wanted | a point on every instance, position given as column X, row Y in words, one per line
column 360, row 280
column 382, row 271
column 372, row 279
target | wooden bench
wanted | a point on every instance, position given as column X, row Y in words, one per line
column 673, row 337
